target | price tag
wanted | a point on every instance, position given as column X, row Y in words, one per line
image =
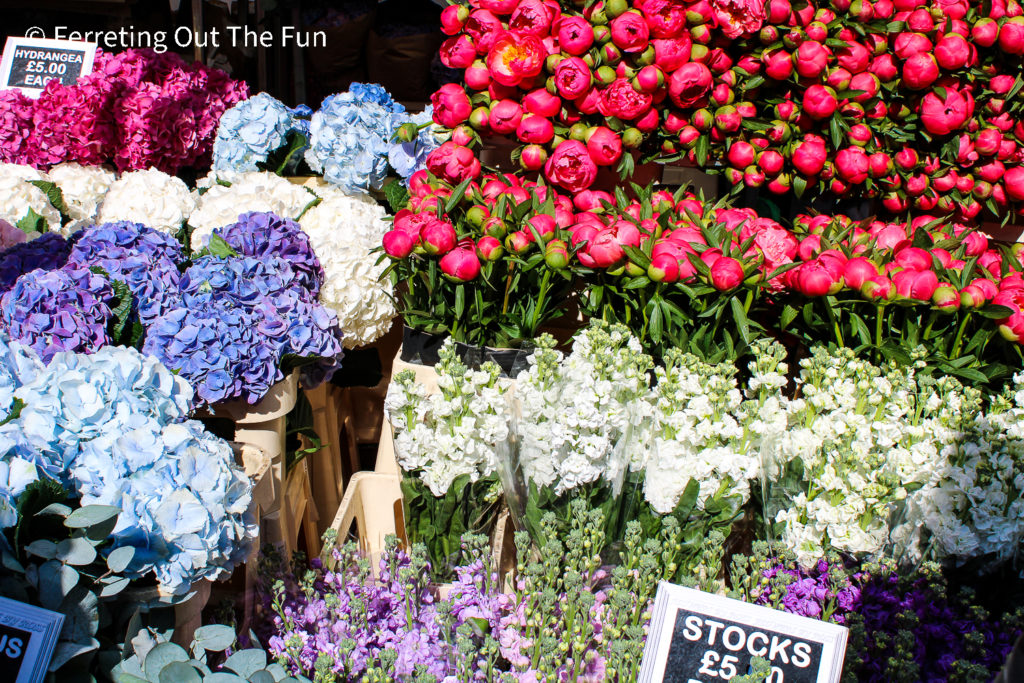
column 28, row 636
column 30, row 63
column 698, row 637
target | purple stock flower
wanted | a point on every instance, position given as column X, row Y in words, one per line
column 58, row 310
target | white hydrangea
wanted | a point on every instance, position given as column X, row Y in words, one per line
column 151, row 197
column 457, row 431
column 19, row 197
column 83, row 188
column 580, row 416
column 21, row 172
column 223, row 196
column 344, row 231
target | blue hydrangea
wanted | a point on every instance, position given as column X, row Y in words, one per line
column 218, row 348
column 266, row 234
column 19, row 365
column 350, row 137
column 408, row 157
column 244, row 281
column 79, row 397
column 144, row 259
column 58, row 310
column 15, row 475
column 250, row 131
column 48, row 252
column 185, row 506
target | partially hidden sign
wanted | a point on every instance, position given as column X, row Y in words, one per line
column 28, row 636
column 30, row 63
column 698, row 637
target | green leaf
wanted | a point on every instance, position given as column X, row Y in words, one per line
column 43, row 548
column 56, row 580
column 789, row 314
column 701, row 150
column 58, row 509
column 219, row 247
column 458, row 194
column 162, row 655
column 76, row 551
column 215, row 637
column 53, row 194
column 32, row 222
column 91, row 515
column 119, row 558
column 179, row 672
column 996, row 311
column 114, row 587
column 397, row 195
column 246, row 662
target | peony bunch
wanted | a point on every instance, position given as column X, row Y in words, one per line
column 224, row 196
column 137, row 109
column 150, row 197
column 350, row 137
column 344, row 231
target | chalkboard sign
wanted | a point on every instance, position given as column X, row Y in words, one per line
column 27, row 637
column 698, row 637
column 30, row 63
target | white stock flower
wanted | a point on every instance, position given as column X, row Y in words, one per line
column 149, row 197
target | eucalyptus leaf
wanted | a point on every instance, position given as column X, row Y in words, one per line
column 119, row 558
column 76, row 551
column 180, row 672
column 215, row 637
column 246, row 662
column 91, row 515
column 162, row 655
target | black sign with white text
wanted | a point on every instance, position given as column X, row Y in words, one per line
column 698, row 637
column 29, row 63
column 28, row 636
column 13, row 644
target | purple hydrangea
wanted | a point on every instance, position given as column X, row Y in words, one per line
column 58, row 310
column 266, row 234
column 218, row 348
column 243, row 280
column 124, row 239
column 48, row 252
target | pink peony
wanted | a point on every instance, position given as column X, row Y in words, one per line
column 570, row 166
column 738, row 17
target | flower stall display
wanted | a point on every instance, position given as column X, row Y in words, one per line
column 137, row 110
column 345, row 232
column 448, row 445
column 150, row 197
column 255, row 130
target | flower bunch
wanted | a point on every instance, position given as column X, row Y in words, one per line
column 83, row 189
column 137, row 109
column 252, row 130
column 267, row 235
column 58, row 310
column 150, row 197
column 490, row 249
column 350, row 137
column 409, row 152
column 48, row 252
column 146, row 260
column 224, row 196
column 878, row 101
column 22, row 203
column 344, row 232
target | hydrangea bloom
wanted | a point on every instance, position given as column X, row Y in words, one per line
column 83, row 188
column 78, row 397
column 185, row 506
column 343, row 231
column 265, row 234
column 221, row 204
column 15, row 124
column 19, row 197
column 250, row 131
column 58, row 310
column 48, row 252
column 408, row 157
column 218, row 348
column 350, row 137
column 123, row 239
column 150, row 197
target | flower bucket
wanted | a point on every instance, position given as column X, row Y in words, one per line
column 420, row 347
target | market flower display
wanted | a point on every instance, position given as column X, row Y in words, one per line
column 150, row 197
column 344, row 232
